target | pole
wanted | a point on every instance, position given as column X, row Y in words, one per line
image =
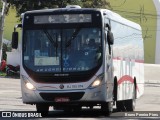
column 157, row 49
column 2, row 25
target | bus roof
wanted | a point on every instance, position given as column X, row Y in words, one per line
column 111, row 15
column 62, row 10
column 116, row 17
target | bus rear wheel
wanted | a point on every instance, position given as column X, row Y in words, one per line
column 43, row 109
column 120, row 105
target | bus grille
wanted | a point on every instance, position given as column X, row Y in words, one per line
column 70, row 95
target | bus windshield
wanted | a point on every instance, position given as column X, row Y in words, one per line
column 62, row 50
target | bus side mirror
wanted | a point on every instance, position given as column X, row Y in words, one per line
column 110, row 37
column 15, row 37
column 15, row 40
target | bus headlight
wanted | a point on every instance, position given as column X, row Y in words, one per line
column 97, row 81
column 27, row 83
column 30, row 86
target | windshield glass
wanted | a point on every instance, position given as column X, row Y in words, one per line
column 62, row 50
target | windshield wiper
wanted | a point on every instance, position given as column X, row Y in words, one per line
column 55, row 43
column 50, row 38
column 74, row 35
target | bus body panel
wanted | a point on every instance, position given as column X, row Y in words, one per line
column 128, row 57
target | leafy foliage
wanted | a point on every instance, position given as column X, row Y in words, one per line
column 5, row 48
column 0, row 6
column 96, row 4
column 25, row 5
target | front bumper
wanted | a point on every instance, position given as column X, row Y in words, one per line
column 75, row 96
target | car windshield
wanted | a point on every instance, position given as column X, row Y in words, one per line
column 62, row 50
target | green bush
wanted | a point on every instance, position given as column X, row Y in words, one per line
column 5, row 48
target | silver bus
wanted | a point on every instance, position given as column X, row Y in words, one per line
column 80, row 57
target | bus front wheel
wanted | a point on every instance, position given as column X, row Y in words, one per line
column 43, row 109
column 127, row 105
column 130, row 104
column 107, row 108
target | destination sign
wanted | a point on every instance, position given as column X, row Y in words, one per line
column 63, row 18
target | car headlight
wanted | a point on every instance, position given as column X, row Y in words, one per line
column 28, row 85
column 97, row 81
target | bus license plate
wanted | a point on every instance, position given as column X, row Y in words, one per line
column 62, row 99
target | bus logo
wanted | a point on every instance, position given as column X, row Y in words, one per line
column 61, row 86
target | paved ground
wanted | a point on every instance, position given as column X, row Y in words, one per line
column 152, row 73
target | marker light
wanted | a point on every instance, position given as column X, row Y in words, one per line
column 30, row 86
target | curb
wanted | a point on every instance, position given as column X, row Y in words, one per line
column 153, row 81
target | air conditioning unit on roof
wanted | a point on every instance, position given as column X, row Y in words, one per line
column 73, row 6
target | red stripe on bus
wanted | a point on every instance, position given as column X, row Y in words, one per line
column 136, row 60
column 127, row 78
column 139, row 61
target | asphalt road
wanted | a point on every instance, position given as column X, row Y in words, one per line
column 10, row 100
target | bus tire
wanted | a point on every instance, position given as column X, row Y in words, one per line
column 131, row 104
column 107, row 108
column 120, row 105
column 74, row 109
column 77, row 108
column 43, row 109
column 115, row 89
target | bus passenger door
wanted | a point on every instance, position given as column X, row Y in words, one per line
column 108, row 67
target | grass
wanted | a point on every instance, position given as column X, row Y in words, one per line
column 2, row 74
column 10, row 21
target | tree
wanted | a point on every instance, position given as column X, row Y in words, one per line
column 25, row 5
column 96, row 4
